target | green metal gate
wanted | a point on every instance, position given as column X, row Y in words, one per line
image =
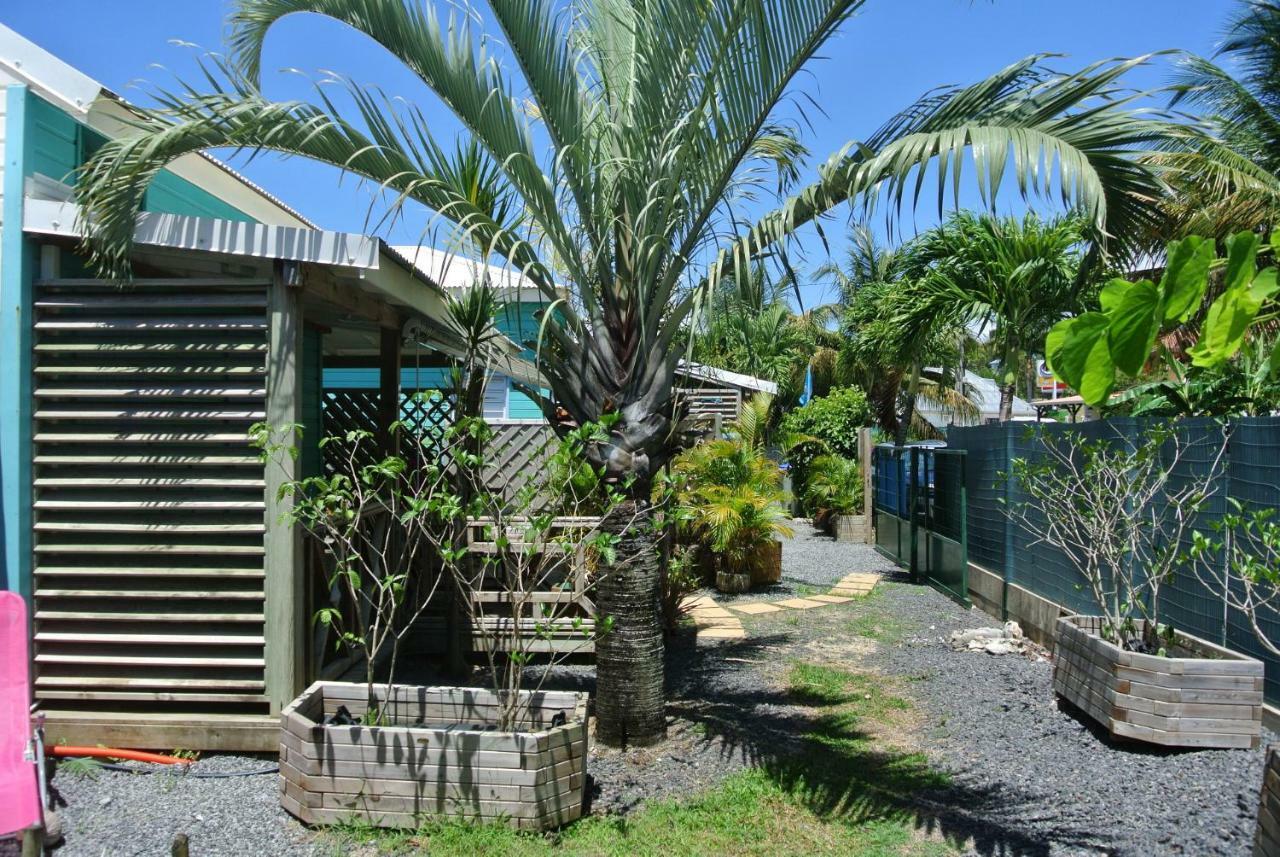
column 920, row 510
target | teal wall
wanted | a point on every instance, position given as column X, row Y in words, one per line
column 520, row 322
column 41, row 138
column 58, row 144
column 17, row 264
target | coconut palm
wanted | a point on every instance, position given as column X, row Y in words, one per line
column 1229, row 180
column 1015, row 277
column 628, row 136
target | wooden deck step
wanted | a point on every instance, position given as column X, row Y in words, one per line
column 151, row 348
column 129, row 301
column 150, row 696
column 185, row 371
column 113, row 527
column 110, row 616
column 208, row 391
column 160, row 323
column 150, row 640
column 146, row 571
column 147, row 482
column 139, row 414
column 237, row 550
column 151, row 661
column 155, row 460
column 152, row 505
column 153, row 282
column 153, row 594
column 141, row 682
column 142, row 438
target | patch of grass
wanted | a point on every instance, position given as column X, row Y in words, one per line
column 791, row 619
column 843, row 793
column 870, row 617
column 81, row 766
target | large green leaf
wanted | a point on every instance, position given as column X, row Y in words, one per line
column 1134, row 321
column 1083, row 359
column 1243, row 295
column 1112, row 292
column 1229, row 318
column 1186, row 277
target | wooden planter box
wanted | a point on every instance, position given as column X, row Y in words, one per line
column 442, row 761
column 849, row 528
column 1212, row 701
column 1266, row 840
column 768, row 568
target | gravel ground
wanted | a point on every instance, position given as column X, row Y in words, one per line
column 1059, row 785
column 114, row 814
column 812, row 560
column 1027, row 778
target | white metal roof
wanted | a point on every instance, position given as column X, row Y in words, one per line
column 984, row 392
column 703, row 372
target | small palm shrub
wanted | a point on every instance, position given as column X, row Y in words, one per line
column 730, row 499
column 833, row 487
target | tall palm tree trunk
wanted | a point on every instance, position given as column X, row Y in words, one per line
column 629, row 658
column 909, row 406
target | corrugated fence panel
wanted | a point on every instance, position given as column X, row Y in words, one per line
column 1250, row 473
column 148, row 500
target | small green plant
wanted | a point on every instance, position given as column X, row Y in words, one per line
column 1239, row 562
column 81, row 766
column 833, row 486
column 1118, row 508
column 183, row 753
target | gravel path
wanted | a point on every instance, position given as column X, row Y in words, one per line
column 114, row 814
column 1057, row 780
column 812, row 561
column 1026, row 777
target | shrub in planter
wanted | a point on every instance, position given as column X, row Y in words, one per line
column 1119, row 509
column 389, row 754
column 729, row 498
column 438, row 751
column 834, row 491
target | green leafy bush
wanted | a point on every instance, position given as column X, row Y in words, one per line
column 834, row 486
column 831, row 422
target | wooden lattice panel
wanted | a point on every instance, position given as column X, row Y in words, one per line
column 148, row 499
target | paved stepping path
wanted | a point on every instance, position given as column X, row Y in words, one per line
column 714, row 622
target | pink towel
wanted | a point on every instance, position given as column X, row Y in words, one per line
column 19, row 794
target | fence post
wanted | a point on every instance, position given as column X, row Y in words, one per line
column 1007, row 570
column 866, row 449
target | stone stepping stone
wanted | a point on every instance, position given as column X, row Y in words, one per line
column 754, row 608
column 722, row 633
column 828, row 599
column 799, row 603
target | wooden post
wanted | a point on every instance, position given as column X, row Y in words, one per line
column 285, row 590
column 388, row 387
column 866, row 450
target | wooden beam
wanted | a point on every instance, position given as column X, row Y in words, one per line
column 388, row 387
column 321, row 285
column 285, row 587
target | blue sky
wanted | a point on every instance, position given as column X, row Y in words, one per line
column 884, row 58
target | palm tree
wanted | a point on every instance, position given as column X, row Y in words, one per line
column 1229, row 180
column 1019, row 276
column 627, row 135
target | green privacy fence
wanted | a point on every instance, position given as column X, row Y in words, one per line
column 1251, row 475
column 918, row 502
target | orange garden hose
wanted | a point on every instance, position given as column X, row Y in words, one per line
column 109, row 753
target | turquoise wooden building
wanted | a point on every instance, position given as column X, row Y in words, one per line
column 170, row 607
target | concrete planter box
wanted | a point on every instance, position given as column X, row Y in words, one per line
column 445, row 760
column 1209, row 701
column 1266, row 841
column 850, row 528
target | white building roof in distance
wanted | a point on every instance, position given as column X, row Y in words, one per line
column 456, row 271
column 703, row 372
column 984, row 392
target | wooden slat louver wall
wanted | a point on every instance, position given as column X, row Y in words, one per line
column 149, row 500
